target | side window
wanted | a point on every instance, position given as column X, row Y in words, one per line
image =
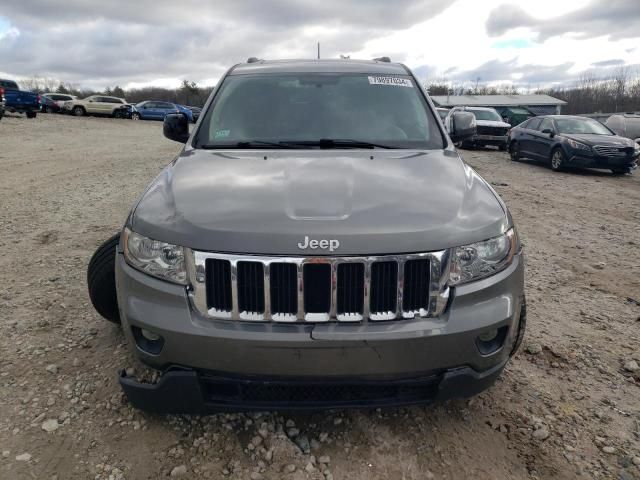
column 97, row 99
column 546, row 123
column 533, row 124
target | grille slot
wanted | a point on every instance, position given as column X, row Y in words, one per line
column 317, row 288
column 497, row 131
column 415, row 293
column 610, row 151
column 384, row 286
column 350, row 294
column 219, row 285
column 283, row 284
column 250, row 287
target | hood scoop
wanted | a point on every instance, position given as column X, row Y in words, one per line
column 320, row 189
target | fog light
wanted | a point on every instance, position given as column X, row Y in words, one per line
column 484, row 337
column 149, row 335
column 491, row 341
column 148, row 341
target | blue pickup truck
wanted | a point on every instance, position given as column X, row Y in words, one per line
column 19, row 101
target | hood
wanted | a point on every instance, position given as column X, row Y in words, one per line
column 493, row 123
column 372, row 202
column 593, row 139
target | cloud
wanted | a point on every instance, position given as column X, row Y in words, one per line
column 608, row 63
column 617, row 19
column 121, row 42
column 510, row 71
column 532, row 76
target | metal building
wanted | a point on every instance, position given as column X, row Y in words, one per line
column 538, row 104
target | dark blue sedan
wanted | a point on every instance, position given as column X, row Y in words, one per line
column 565, row 141
column 152, row 110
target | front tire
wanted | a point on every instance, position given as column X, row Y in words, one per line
column 514, row 152
column 78, row 111
column 522, row 327
column 101, row 280
column 557, row 160
column 135, row 116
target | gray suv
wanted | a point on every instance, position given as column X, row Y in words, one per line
column 318, row 243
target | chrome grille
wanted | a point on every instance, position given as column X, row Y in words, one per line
column 318, row 289
column 610, row 151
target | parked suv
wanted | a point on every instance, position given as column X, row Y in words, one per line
column 317, row 243
column 53, row 102
column 94, row 105
column 491, row 129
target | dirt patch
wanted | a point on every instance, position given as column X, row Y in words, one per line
column 567, row 410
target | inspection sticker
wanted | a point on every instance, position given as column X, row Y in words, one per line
column 393, row 81
column 222, row 133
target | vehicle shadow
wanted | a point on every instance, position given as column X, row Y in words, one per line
column 586, row 172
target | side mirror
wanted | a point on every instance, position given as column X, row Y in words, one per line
column 463, row 126
column 549, row 132
column 176, row 127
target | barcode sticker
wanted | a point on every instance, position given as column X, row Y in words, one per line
column 393, row 81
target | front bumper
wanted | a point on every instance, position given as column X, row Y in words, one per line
column 482, row 139
column 187, row 391
column 578, row 159
column 429, row 353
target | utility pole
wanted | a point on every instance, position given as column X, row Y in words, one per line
column 318, row 50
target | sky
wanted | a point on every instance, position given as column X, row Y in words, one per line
column 137, row 43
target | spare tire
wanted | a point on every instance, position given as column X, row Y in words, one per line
column 101, row 280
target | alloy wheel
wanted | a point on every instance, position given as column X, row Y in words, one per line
column 556, row 160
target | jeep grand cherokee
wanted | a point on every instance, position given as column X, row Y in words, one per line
column 318, row 242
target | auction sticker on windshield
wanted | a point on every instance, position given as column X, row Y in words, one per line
column 394, row 81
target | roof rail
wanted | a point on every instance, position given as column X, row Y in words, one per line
column 253, row 60
column 382, row 59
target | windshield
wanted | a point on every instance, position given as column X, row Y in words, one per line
column 302, row 109
column 581, row 125
column 486, row 115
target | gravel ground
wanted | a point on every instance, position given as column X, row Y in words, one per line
column 566, row 407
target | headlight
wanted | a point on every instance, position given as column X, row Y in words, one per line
column 159, row 259
column 637, row 147
column 479, row 260
column 578, row 145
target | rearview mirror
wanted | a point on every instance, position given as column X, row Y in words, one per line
column 549, row 132
column 463, row 126
column 176, row 127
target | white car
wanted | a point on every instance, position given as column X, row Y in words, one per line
column 94, row 105
column 625, row 125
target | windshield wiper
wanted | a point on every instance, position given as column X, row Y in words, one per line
column 338, row 143
column 321, row 143
column 248, row 144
